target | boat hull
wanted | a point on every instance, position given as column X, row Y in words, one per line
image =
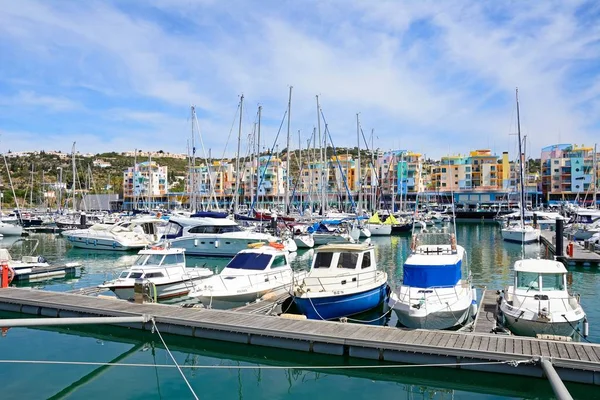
column 380, row 229
column 101, row 244
column 331, row 307
column 518, row 236
column 304, row 241
column 164, row 291
column 435, row 320
column 527, row 327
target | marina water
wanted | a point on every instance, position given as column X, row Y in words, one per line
column 232, row 371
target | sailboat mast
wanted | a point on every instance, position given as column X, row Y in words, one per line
column 288, row 162
column 258, row 173
column 299, row 180
column 359, row 174
column 192, row 175
column 74, row 174
column 595, row 176
column 31, row 194
column 322, row 169
column 236, row 199
column 373, row 192
column 521, row 169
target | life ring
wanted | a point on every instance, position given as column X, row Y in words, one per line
column 277, row 245
column 156, row 248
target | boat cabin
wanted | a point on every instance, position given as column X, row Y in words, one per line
column 151, row 262
column 540, row 276
column 342, row 258
column 259, row 259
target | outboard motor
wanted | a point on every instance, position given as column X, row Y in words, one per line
column 143, row 291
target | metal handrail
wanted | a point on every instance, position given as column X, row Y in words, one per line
column 349, row 279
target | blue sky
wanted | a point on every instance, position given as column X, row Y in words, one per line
column 429, row 76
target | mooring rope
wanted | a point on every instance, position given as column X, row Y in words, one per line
column 513, row 363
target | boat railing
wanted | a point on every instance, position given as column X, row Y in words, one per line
column 545, row 301
column 341, row 281
column 257, row 279
column 434, row 289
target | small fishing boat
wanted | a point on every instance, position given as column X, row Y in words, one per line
column 343, row 280
column 251, row 274
column 433, row 293
column 164, row 267
column 31, row 267
column 302, row 238
column 538, row 302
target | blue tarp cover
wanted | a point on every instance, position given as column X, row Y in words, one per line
column 426, row 276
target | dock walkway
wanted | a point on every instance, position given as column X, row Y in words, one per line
column 581, row 256
column 577, row 362
column 485, row 322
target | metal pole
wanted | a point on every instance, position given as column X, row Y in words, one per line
column 27, row 322
column 558, row 241
column 558, row 387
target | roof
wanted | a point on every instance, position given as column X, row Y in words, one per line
column 162, row 250
column 334, row 247
column 540, row 266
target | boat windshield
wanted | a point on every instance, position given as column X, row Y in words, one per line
column 254, row 261
column 552, row 282
column 124, row 274
column 527, row 280
column 323, row 260
column 348, row 260
column 148, row 259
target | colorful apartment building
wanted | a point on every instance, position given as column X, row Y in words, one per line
column 568, row 172
column 144, row 184
column 480, row 170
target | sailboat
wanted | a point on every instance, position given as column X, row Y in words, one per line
column 518, row 231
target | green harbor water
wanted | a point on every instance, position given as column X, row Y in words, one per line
column 232, row 371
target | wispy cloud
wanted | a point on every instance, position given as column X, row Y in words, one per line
column 428, row 76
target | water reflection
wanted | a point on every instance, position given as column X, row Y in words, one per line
column 238, row 371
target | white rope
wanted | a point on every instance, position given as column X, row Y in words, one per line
column 154, row 327
column 266, row 367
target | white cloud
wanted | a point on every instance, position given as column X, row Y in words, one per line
column 426, row 77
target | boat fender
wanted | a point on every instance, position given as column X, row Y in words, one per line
column 114, row 245
column 586, row 327
column 276, row 245
column 41, row 259
column 95, row 242
column 217, row 243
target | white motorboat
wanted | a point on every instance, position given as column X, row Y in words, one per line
column 433, row 293
column 302, row 238
column 250, row 275
column 343, row 280
column 8, row 229
column 521, row 233
column 331, row 231
column 538, row 302
column 164, row 268
column 31, row 267
column 125, row 235
column 221, row 237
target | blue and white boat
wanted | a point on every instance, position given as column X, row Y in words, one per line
column 343, row 280
column 433, row 293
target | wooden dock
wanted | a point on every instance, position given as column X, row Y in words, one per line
column 485, row 322
column 581, row 256
column 576, row 362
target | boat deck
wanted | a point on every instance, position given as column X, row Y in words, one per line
column 581, row 256
column 578, row 362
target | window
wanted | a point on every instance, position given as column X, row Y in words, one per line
column 171, row 259
column 552, row 282
column 443, row 169
column 253, row 261
column 279, row 261
column 135, row 275
column 154, row 259
column 348, row 260
column 366, row 260
column 527, row 280
column 141, row 260
column 123, row 274
column 323, row 260
column 154, row 275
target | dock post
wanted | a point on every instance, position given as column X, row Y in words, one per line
column 558, row 241
column 558, row 387
column 535, row 220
